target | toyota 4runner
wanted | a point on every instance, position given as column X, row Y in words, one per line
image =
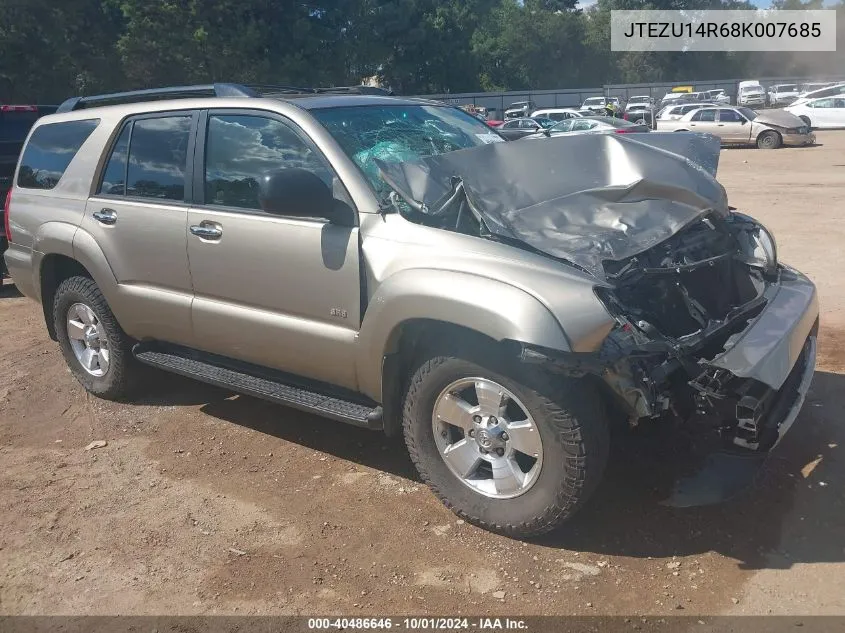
column 389, row 263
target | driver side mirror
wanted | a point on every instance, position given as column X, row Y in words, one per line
column 301, row 193
column 743, row 121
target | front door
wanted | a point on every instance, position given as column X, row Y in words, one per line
column 277, row 291
column 138, row 217
column 733, row 127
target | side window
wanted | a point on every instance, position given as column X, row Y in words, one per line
column 583, row 125
column 114, row 176
column 839, row 103
column 50, row 150
column 241, row 148
column 158, row 153
column 511, row 124
column 822, row 103
column 704, row 115
column 564, row 126
column 730, row 116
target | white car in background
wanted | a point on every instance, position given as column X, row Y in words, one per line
column 639, row 101
column 717, row 96
column 782, row 94
column 675, row 112
column 751, row 94
column 595, row 104
column 768, row 129
column 820, row 113
column 557, row 114
column 828, row 91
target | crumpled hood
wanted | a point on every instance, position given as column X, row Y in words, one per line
column 584, row 198
column 779, row 118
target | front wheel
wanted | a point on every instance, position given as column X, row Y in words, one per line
column 768, row 140
column 514, row 455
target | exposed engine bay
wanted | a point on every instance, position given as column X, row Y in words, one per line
column 685, row 277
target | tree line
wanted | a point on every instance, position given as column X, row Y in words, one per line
column 52, row 49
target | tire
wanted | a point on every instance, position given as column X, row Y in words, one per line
column 121, row 368
column 641, row 122
column 768, row 140
column 806, row 120
column 570, row 419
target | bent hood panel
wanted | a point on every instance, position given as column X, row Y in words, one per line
column 583, row 198
column 779, row 118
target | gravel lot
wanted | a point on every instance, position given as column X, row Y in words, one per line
column 204, row 502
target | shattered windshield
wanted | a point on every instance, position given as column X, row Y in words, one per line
column 400, row 133
column 748, row 113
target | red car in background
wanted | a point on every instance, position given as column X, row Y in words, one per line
column 15, row 123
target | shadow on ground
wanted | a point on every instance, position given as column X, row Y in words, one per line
column 625, row 517
column 9, row 290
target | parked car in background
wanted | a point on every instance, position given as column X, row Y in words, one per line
column 807, row 88
column 671, row 98
column 827, row 112
column 639, row 102
column 750, row 94
column 643, row 114
column 519, row 109
column 594, row 104
column 718, row 96
column 520, row 128
column 743, row 126
column 828, row 91
column 15, row 123
column 494, row 123
column 591, row 125
column 557, row 114
column 782, row 94
column 674, row 112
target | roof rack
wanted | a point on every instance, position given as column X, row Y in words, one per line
column 211, row 90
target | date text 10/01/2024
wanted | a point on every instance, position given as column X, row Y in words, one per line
column 418, row 624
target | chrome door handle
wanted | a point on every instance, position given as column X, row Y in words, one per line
column 207, row 231
column 105, row 216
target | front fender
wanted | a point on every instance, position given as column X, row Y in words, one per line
column 487, row 306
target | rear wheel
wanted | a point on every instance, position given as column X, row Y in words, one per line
column 95, row 347
column 510, row 449
column 769, row 140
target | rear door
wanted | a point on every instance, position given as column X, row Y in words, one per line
column 823, row 112
column 281, row 292
column 138, row 217
column 704, row 120
column 733, row 127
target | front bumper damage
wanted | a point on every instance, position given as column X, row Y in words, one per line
column 711, row 332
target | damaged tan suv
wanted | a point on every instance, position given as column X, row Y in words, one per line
column 390, row 263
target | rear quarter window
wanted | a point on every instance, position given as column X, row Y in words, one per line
column 50, row 150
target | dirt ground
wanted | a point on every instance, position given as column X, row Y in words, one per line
column 204, row 502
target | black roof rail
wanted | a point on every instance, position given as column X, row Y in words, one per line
column 211, row 90
column 355, row 90
column 154, row 94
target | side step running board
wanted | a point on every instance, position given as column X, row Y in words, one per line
column 254, row 381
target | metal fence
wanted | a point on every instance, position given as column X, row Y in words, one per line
column 498, row 102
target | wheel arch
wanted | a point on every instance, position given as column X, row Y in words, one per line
column 62, row 259
column 420, row 305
